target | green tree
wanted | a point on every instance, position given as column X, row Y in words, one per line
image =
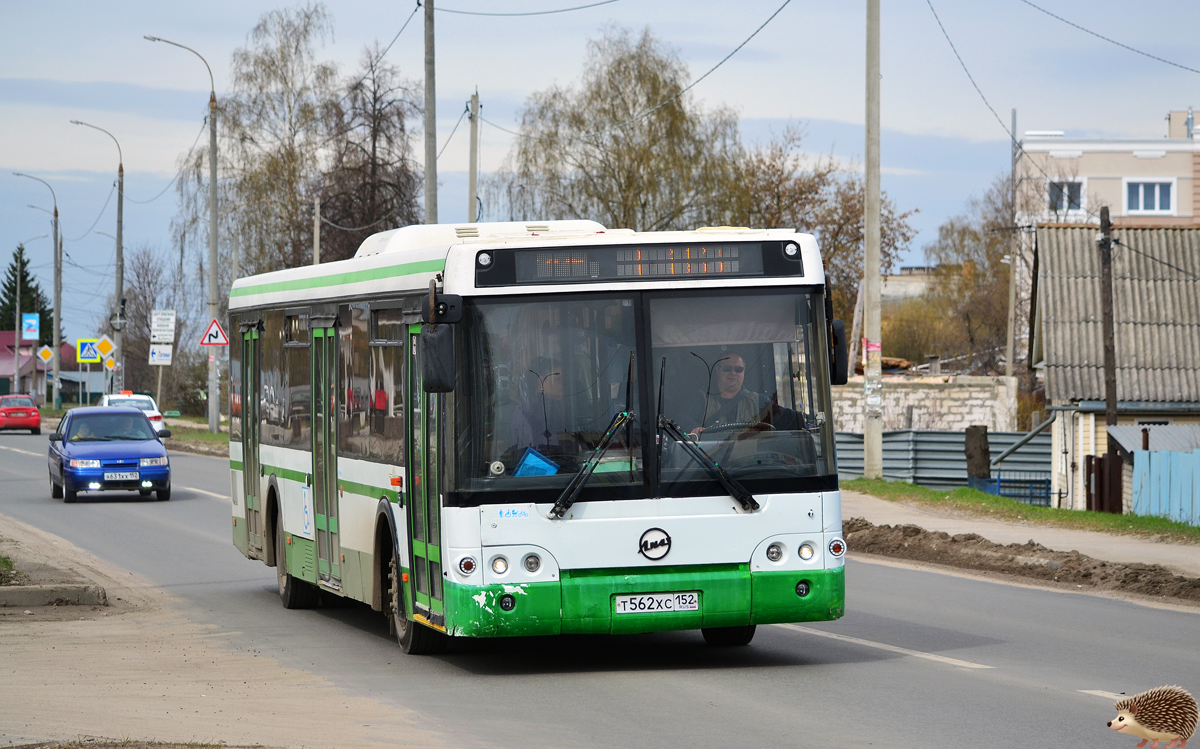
column 33, row 299
column 624, row 148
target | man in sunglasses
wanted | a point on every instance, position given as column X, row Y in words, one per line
column 732, row 403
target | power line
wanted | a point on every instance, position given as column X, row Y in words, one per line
column 651, row 111
column 355, row 228
column 203, row 125
column 452, row 132
column 1110, row 41
column 531, row 13
column 1151, row 257
column 1011, row 135
column 102, row 209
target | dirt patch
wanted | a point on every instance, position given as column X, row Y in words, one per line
column 93, row 743
column 1029, row 560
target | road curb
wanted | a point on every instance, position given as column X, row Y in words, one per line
column 52, row 595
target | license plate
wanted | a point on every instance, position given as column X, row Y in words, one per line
column 651, row 603
column 121, row 476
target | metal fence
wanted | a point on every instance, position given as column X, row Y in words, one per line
column 937, row 459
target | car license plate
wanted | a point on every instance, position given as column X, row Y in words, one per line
column 657, row 602
column 17, row 414
column 121, row 476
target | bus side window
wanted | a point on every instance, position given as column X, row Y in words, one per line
column 354, row 394
column 385, row 408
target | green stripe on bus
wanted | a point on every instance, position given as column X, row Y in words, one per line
column 367, row 490
column 235, row 465
column 341, row 279
column 286, row 473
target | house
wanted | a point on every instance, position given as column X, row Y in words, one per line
column 1156, row 302
column 33, row 374
column 1144, row 181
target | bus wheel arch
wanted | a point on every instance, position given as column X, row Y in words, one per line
column 274, row 520
column 385, row 535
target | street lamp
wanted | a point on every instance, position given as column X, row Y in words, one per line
column 213, row 226
column 17, row 319
column 57, row 292
column 119, row 353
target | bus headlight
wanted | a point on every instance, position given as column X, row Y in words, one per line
column 484, row 259
column 806, row 552
column 466, row 565
column 499, row 565
column 774, row 552
column 837, row 547
column 533, row 563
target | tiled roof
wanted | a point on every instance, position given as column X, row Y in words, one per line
column 1156, row 302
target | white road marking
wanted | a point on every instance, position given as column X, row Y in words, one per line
column 884, row 646
column 1105, row 695
column 23, row 452
column 202, row 491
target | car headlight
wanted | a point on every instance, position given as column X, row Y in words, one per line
column 85, row 463
column 153, row 461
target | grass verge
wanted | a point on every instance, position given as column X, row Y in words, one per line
column 7, row 570
column 182, row 437
column 981, row 504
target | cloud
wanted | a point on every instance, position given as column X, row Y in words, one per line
column 106, row 96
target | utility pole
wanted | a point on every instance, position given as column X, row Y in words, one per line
column 473, row 169
column 57, row 313
column 317, row 229
column 1106, row 310
column 872, row 345
column 214, row 389
column 1014, row 249
column 431, row 212
column 16, row 388
column 119, row 373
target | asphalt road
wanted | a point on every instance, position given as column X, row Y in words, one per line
column 919, row 659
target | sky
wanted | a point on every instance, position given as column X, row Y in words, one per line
column 941, row 144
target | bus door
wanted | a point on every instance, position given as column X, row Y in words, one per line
column 425, row 583
column 251, row 487
column 324, row 451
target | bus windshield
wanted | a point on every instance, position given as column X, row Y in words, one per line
column 743, row 372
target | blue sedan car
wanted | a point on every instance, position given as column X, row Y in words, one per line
column 108, row 449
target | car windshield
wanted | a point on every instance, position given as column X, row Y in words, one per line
column 16, row 401
column 743, row 374
column 546, row 378
column 99, row 427
column 142, row 403
column 746, row 372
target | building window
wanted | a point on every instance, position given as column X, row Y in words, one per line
column 1149, row 197
column 1066, row 196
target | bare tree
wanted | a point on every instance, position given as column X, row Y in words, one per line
column 373, row 182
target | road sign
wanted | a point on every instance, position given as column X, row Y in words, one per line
column 171, row 413
column 86, row 351
column 162, row 326
column 105, row 345
column 214, row 336
column 160, row 354
column 45, row 353
column 109, row 364
column 30, row 326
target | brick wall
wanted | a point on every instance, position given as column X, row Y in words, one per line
column 946, row 402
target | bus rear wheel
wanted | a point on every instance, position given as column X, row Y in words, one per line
column 295, row 594
column 414, row 638
column 728, row 636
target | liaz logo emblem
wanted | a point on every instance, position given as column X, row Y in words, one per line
column 654, row 544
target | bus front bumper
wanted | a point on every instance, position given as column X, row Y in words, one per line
column 584, row 601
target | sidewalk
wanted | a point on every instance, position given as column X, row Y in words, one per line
column 1179, row 558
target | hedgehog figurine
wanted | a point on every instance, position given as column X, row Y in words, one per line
column 1163, row 714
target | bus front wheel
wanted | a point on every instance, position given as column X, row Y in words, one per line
column 728, row 636
column 414, row 638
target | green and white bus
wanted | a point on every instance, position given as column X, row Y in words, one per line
column 503, row 429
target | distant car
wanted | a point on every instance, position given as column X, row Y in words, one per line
column 143, row 403
column 20, row 412
column 108, row 449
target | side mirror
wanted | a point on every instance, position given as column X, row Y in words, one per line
column 839, row 364
column 164, row 434
column 56, row 437
column 437, row 356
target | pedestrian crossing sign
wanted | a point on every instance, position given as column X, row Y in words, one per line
column 87, row 350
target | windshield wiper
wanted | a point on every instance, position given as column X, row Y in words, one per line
column 626, row 417
column 696, row 453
